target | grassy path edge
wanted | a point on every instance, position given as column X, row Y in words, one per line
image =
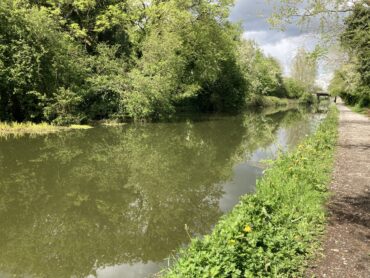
column 274, row 232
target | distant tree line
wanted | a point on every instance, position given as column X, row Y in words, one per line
column 72, row 61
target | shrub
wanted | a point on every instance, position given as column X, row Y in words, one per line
column 36, row 58
column 307, row 98
column 294, row 88
column 63, row 109
column 106, row 83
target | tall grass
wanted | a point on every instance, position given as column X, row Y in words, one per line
column 359, row 109
column 19, row 129
column 28, row 128
column 275, row 231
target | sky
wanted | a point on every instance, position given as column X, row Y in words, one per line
column 253, row 15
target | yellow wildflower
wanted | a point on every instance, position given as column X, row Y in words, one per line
column 247, row 229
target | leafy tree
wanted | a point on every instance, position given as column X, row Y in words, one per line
column 63, row 109
column 355, row 39
column 106, row 83
column 347, row 83
column 263, row 74
column 352, row 80
column 324, row 15
column 93, row 21
column 294, row 88
column 304, row 68
column 67, row 61
column 36, row 59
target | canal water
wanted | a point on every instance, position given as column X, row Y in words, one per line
column 113, row 202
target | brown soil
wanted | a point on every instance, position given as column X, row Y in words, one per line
column 346, row 244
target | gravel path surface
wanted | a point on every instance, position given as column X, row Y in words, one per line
column 346, row 247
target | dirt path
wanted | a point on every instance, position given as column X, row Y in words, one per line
column 347, row 241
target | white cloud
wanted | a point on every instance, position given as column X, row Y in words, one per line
column 284, row 48
column 324, row 79
column 281, row 45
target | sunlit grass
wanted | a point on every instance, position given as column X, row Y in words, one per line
column 362, row 110
column 80, row 126
column 112, row 123
column 28, row 128
column 275, row 101
column 19, row 129
column 271, row 101
column 15, row 129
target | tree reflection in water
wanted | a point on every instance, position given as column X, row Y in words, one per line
column 79, row 201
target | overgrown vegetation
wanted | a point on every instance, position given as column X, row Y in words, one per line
column 271, row 233
column 362, row 110
column 14, row 129
column 75, row 61
column 19, row 129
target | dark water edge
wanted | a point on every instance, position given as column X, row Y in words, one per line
column 114, row 202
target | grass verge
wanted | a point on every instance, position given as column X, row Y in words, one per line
column 361, row 110
column 274, row 232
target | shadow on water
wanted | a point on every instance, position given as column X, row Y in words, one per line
column 114, row 201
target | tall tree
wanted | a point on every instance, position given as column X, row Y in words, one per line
column 352, row 80
column 356, row 39
column 304, row 68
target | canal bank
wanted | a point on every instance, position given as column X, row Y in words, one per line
column 275, row 231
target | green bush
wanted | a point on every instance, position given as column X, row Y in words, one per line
column 63, row 110
column 294, row 88
column 273, row 232
column 106, row 83
column 36, row 58
column 347, row 84
column 307, row 98
column 352, row 81
column 262, row 74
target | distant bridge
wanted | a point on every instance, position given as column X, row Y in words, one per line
column 318, row 95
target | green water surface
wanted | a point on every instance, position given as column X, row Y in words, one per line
column 113, row 202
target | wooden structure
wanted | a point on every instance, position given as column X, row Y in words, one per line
column 321, row 94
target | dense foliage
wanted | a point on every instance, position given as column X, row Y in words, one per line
column 79, row 60
column 271, row 233
column 296, row 89
column 352, row 80
column 36, row 61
